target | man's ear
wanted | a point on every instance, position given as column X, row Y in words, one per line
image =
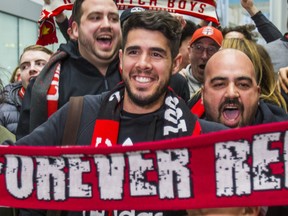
column 74, row 27
column 176, row 63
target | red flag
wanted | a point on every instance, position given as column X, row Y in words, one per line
column 47, row 32
column 47, row 29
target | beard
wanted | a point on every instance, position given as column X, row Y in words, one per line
column 149, row 100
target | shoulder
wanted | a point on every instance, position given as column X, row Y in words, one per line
column 209, row 126
column 94, row 101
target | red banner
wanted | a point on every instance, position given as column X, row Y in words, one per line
column 239, row 167
column 202, row 9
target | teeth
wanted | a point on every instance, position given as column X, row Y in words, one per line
column 105, row 37
column 142, row 79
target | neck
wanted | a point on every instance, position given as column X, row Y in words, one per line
column 131, row 107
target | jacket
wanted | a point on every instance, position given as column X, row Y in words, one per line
column 266, row 28
column 51, row 133
column 10, row 108
column 78, row 77
column 278, row 52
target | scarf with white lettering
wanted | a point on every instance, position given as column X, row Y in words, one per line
column 178, row 120
column 202, row 9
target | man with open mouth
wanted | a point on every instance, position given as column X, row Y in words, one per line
column 231, row 92
column 87, row 65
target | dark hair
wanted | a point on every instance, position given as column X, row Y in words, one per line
column 161, row 21
column 188, row 30
column 77, row 11
column 246, row 30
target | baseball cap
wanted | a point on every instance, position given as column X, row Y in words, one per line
column 128, row 12
column 207, row 31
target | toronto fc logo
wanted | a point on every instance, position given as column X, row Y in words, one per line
column 208, row 31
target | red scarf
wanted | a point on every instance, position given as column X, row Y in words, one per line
column 21, row 92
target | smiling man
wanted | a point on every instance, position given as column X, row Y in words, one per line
column 88, row 65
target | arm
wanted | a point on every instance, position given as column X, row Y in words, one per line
column 283, row 79
column 63, row 24
column 283, row 82
column 266, row 28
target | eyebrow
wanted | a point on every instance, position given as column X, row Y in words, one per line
column 150, row 49
column 219, row 78
column 101, row 13
column 37, row 60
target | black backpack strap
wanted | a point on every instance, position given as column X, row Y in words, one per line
column 72, row 121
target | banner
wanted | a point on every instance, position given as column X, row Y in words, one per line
column 237, row 167
column 202, row 9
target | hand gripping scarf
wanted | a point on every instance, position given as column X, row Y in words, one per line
column 178, row 120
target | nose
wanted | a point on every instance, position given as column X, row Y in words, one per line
column 34, row 70
column 105, row 22
column 205, row 54
column 232, row 91
column 143, row 62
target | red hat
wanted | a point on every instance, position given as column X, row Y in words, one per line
column 207, row 31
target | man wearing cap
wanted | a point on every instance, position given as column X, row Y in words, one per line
column 205, row 42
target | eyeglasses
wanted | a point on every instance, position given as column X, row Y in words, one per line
column 199, row 49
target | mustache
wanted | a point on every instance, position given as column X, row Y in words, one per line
column 233, row 101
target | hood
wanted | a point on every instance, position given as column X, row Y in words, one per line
column 71, row 47
column 10, row 94
column 268, row 113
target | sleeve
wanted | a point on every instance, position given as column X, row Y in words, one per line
column 266, row 28
column 63, row 26
column 49, row 133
